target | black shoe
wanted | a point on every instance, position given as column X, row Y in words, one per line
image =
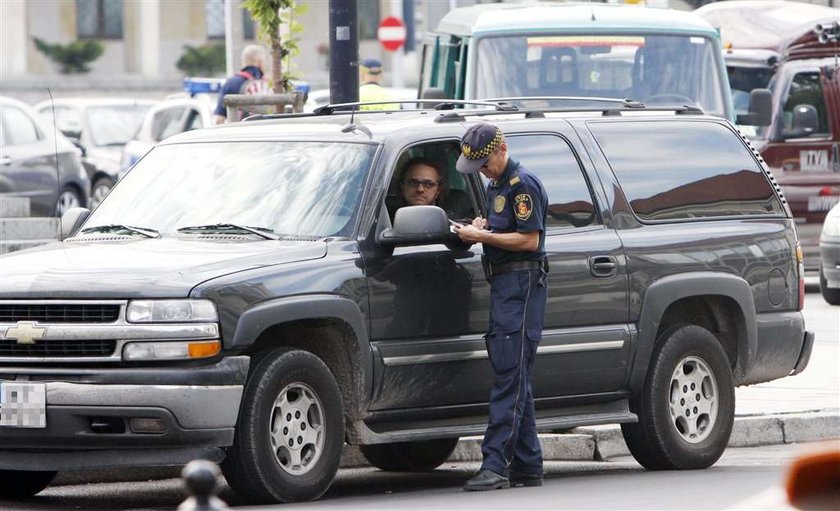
column 517, row 479
column 487, row 480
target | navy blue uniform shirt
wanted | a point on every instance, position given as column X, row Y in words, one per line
column 233, row 85
column 516, row 202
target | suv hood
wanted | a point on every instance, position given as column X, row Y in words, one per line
column 161, row 267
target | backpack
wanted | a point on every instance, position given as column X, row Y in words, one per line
column 252, row 85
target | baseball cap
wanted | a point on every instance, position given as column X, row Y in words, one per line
column 478, row 142
column 374, row 66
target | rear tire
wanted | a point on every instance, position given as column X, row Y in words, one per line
column 421, row 456
column 101, row 187
column 20, row 484
column 68, row 197
column 290, row 435
column 831, row 295
column 686, row 407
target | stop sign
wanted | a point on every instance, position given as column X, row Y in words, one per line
column 391, row 33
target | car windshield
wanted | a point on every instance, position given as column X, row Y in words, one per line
column 289, row 188
column 662, row 70
column 114, row 125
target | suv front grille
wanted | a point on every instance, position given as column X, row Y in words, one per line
column 59, row 313
column 47, row 348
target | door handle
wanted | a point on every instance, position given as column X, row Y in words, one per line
column 5, row 161
column 603, row 266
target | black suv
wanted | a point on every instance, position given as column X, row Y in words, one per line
column 251, row 294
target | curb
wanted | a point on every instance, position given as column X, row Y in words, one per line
column 591, row 443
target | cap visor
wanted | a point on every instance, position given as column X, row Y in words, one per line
column 468, row 166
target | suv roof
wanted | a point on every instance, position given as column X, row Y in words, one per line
column 541, row 17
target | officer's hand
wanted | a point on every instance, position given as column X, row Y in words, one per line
column 469, row 233
column 479, row 223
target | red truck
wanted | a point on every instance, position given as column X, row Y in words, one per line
column 791, row 48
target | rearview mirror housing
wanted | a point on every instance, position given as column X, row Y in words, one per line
column 417, row 225
column 71, row 220
column 760, row 109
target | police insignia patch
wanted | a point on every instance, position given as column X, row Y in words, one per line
column 523, row 206
column 499, row 204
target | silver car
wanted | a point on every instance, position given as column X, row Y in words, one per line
column 830, row 256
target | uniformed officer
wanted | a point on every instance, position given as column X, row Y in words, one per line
column 513, row 236
column 371, row 89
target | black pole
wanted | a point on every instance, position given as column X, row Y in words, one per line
column 344, row 51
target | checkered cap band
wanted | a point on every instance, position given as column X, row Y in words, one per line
column 472, row 153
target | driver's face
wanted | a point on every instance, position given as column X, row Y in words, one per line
column 421, row 185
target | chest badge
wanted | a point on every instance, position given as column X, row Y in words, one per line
column 523, row 206
column 499, row 204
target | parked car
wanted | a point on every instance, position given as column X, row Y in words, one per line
column 830, row 252
column 243, row 295
column 38, row 163
column 790, row 46
column 100, row 127
column 165, row 119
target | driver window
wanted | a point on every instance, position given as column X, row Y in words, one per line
column 806, row 89
column 425, row 175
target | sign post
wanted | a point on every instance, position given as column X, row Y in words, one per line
column 391, row 34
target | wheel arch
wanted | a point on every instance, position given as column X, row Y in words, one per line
column 331, row 327
column 721, row 303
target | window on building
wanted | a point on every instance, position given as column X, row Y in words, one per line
column 806, row 89
column 214, row 11
column 551, row 159
column 681, row 170
column 99, row 19
column 20, row 128
column 369, row 18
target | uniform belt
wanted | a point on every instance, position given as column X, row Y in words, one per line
column 498, row 268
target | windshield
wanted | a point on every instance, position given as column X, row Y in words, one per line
column 655, row 69
column 113, row 124
column 291, row 188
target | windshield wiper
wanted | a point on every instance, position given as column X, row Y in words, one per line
column 225, row 228
column 145, row 231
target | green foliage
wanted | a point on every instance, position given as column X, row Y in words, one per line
column 271, row 15
column 207, row 60
column 73, row 57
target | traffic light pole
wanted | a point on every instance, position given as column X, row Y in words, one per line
column 344, row 51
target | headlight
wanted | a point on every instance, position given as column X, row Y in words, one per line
column 171, row 311
column 831, row 226
column 170, row 350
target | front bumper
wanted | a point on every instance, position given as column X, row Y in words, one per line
column 830, row 257
column 89, row 412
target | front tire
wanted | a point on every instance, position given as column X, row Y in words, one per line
column 20, row 484
column 686, row 407
column 101, row 187
column 290, row 434
column 421, row 456
column 830, row 295
column 68, row 197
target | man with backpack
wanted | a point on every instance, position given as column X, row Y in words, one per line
column 249, row 80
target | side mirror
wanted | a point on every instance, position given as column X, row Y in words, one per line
column 78, row 143
column 760, row 109
column 417, row 225
column 71, row 220
column 806, row 122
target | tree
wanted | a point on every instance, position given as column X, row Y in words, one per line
column 207, row 60
column 271, row 15
column 73, row 57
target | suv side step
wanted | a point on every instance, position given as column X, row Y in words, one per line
column 614, row 412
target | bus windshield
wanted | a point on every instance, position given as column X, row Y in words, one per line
column 660, row 70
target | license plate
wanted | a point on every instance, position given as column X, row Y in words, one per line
column 23, row 405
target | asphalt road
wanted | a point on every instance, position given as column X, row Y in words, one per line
column 617, row 484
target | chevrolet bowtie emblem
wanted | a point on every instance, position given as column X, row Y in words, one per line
column 25, row 332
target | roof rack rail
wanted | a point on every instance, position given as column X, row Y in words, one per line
column 440, row 104
column 534, row 113
column 629, row 103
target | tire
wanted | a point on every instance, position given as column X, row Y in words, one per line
column 99, row 190
column 19, row 484
column 829, row 294
column 676, row 430
column 68, row 197
column 422, row 456
column 260, row 466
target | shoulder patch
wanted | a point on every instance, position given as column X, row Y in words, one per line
column 523, row 206
column 515, row 181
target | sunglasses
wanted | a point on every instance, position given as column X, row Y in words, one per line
column 417, row 183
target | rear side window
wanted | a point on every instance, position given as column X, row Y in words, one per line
column 21, row 129
column 551, row 159
column 681, row 170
